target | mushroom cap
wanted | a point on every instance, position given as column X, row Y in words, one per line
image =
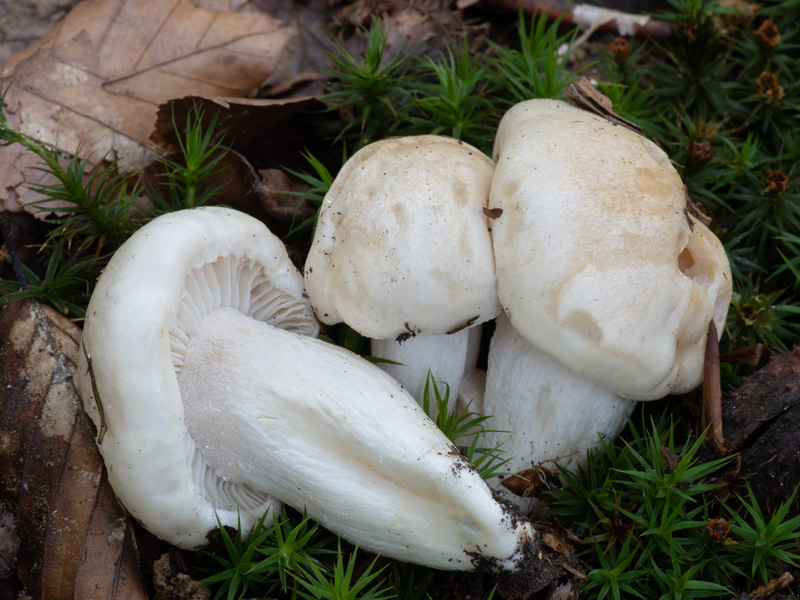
column 402, row 245
column 598, row 262
column 147, row 304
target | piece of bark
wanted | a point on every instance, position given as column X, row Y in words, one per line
column 761, row 419
column 76, row 541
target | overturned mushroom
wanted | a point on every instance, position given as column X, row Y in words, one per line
column 217, row 400
column 402, row 250
column 599, row 265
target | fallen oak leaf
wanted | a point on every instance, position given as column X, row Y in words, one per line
column 97, row 79
column 76, row 541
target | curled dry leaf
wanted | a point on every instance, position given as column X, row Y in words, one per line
column 239, row 120
column 76, row 542
column 98, row 77
column 583, row 93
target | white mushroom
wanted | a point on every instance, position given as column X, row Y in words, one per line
column 601, row 269
column 217, row 400
column 402, row 249
column 598, row 262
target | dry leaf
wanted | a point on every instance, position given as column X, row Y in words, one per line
column 23, row 22
column 240, row 119
column 418, row 28
column 97, row 79
column 9, row 545
column 588, row 97
column 76, row 541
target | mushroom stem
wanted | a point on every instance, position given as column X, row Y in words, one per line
column 448, row 357
column 330, row 434
column 554, row 415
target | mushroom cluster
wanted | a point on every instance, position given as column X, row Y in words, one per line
column 602, row 270
column 215, row 400
column 580, row 233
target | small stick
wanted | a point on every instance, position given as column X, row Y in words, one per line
column 103, row 426
column 755, row 355
column 555, row 9
column 712, row 392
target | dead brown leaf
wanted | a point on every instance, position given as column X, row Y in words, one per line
column 239, row 120
column 9, row 544
column 97, row 78
column 23, row 22
column 418, row 28
column 76, row 541
column 588, row 97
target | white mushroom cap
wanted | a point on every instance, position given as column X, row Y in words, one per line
column 402, row 249
column 598, row 263
column 402, row 245
column 147, row 304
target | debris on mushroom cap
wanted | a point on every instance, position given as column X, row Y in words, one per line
column 598, row 262
column 402, row 245
column 212, row 409
column 148, row 303
column 552, row 414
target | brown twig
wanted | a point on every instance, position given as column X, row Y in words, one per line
column 712, row 392
column 553, row 9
